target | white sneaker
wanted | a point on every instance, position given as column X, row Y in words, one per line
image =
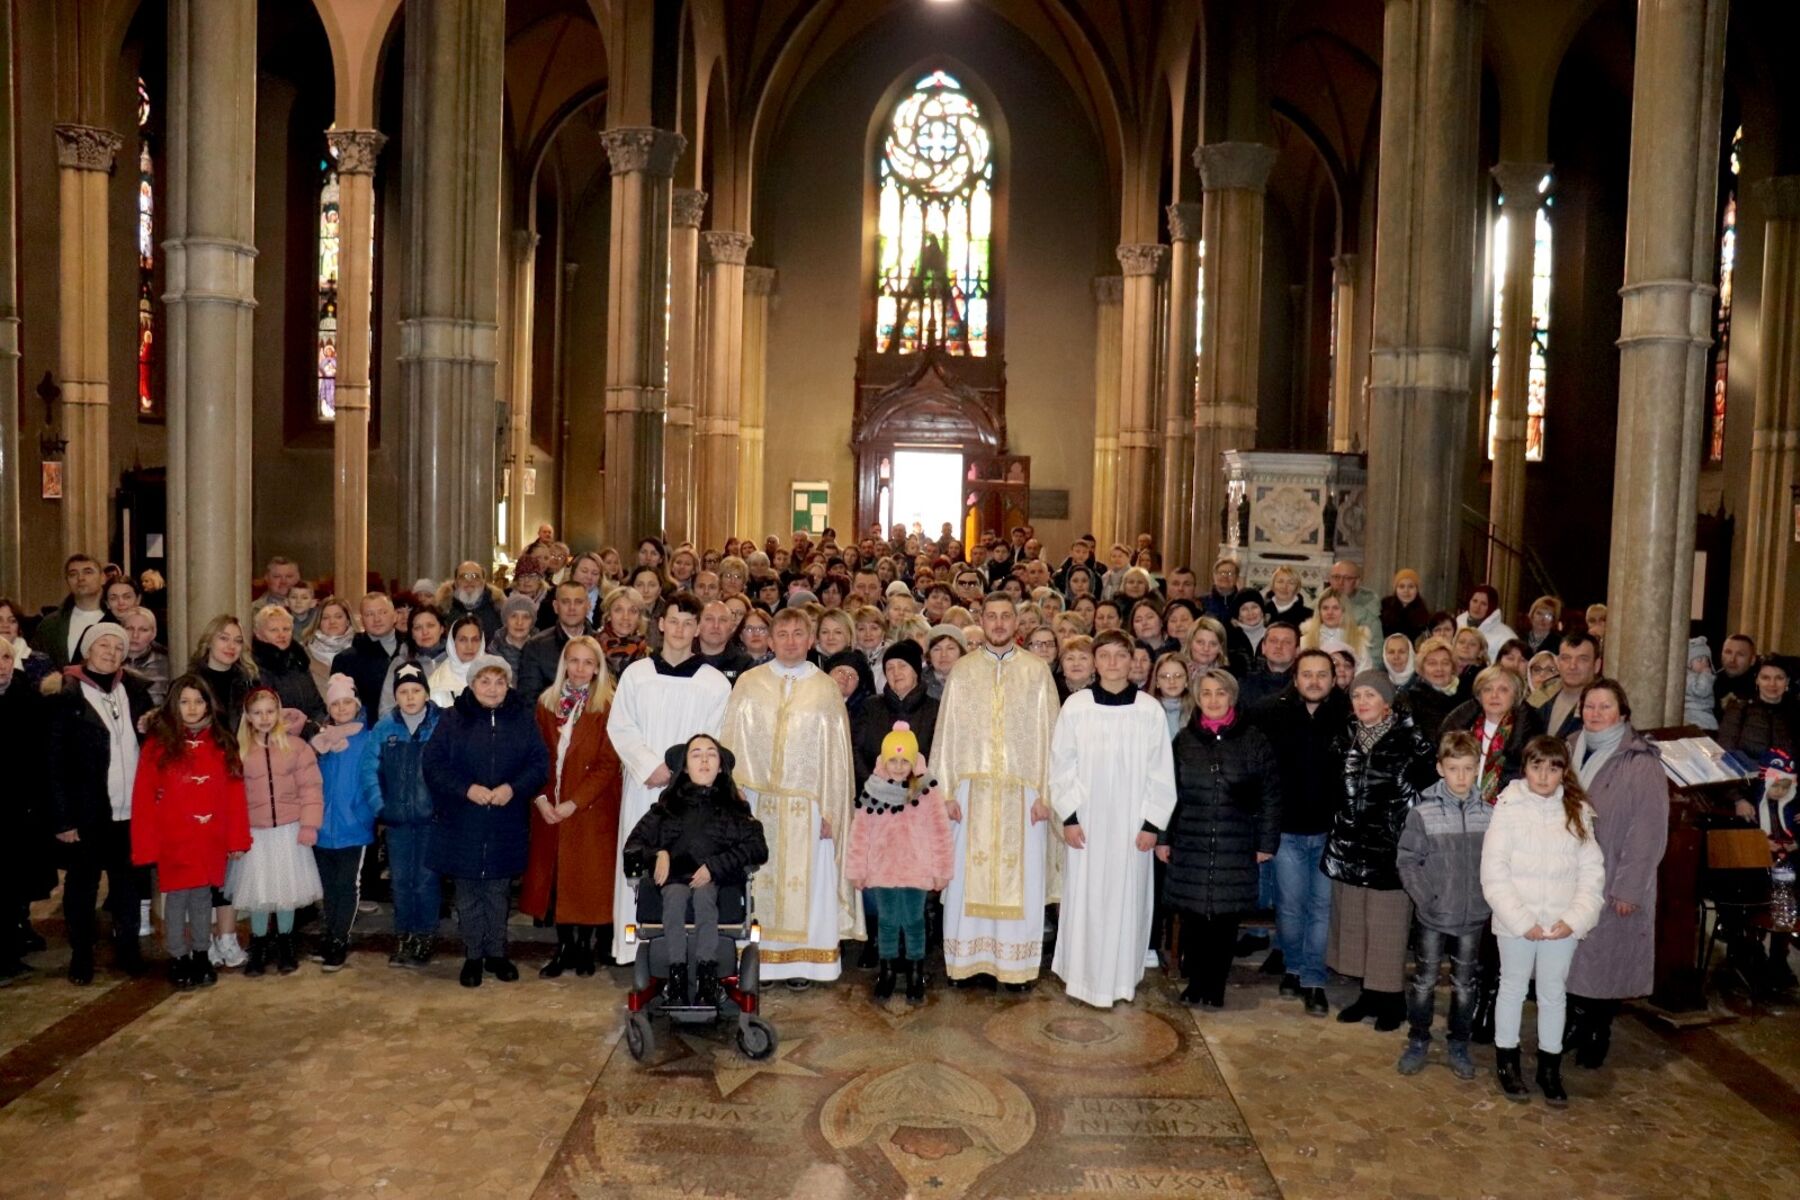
column 1151, row 960
column 144, row 929
column 229, row 953
column 213, row 955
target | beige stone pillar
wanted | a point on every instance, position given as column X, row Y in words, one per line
column 1137, row 507
column 1346, row 375
column 356, row 151
column 722, row 255
column 1109, row 303
column 518, row 415
column 85, row 156
column 210, row 265
column 686, row 208
column 450, row 299
column 1506, row 499
column 1233, row 175
column 1665, row 337
column 11, row 480
column 759, row 286
column 643, row 162
column 1419, row 373
column 1766, row 600
column 1177, row 527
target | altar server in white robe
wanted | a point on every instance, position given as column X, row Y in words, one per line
column 788, row 727
column 1112, row 784
column 991, row 752
column 661, row 701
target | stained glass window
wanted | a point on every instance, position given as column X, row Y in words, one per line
column 936, row 179
column 327, row 345
column 1537, row 368
column 1715, row 408
column 148, row 405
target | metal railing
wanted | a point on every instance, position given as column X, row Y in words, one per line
column 1488, row 546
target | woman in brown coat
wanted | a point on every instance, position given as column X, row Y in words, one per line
column 1625, row 783
column 575, row 823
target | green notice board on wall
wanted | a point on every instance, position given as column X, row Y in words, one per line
column 811, row 505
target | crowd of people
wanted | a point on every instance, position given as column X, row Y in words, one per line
column 936, row 751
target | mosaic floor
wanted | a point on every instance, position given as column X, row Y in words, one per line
column 382, row 1082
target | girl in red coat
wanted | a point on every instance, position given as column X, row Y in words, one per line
column 189, row 817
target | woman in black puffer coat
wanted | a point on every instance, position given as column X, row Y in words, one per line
column 1387, row 764
column 1227, row 821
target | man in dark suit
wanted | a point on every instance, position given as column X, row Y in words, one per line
column 539, row 656
column 1578, row 664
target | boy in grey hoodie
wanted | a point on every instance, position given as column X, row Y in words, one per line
column 1440, row 867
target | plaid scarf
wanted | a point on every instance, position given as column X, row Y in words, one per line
column 1493, row 752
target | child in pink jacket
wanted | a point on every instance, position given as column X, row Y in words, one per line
column 900, row 849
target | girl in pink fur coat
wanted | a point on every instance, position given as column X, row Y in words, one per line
column 900, row 849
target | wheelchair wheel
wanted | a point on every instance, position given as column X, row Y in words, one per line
column 640, row 1038
column 756, row 1038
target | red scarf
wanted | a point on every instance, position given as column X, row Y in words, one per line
column 1495, row 751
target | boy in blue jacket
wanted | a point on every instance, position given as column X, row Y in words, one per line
column 393, row 784
column 349, row 824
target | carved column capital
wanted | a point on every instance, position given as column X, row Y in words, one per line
column 1184, row 221
column 686, row 207
column 86, row 148
column 1142, row 258
column 1779, row 196
column 525, row 243
column 355, row 149
column 1343, row 266
column 642, row 148
column 1234, row 166
column 1108, row 289
column 759, row 281
column 725, row 246
column 1519, row 184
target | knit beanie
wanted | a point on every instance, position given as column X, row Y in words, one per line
column 1248, row 596
column 408, row 673
column 907, row 651
column 901, row 741
column 98, row 630
column 342, row 687
column 898, row 588
column 490, row 662
column 529, row 564
column 947, row 631
column 518, row 604
column 1377, row 682
column 1407, row 573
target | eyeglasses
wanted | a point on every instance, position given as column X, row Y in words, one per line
column 470, row 575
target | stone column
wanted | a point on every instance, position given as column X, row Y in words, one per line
column 1233, row 175
column 85, row 156
column 450, row 299
column 1137, row 507
column 1177, row 526
column 643, row 162
column 687, row 206
column 518, row 415
column 1109, row 301
column 1419, row 373
column 11, row 480
column 722, row 255
column 759, row 286
column 1765, row 600
column 356, row 151
column 1346, row 385
column 210, row 264
column 1665, row 337
column 1506, row 500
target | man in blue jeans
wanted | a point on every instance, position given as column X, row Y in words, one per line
column 1301, row 723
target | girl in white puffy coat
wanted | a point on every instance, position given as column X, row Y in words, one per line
column 1544, row 876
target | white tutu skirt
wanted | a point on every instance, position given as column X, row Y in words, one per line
column 277, row 873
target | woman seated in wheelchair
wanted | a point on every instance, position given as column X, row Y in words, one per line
column 699, row 837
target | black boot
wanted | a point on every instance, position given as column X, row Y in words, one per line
column 915, row 980
column 1510, row 1075
column 584, row 951
column 1367, row 1004
column 1578, row 1024
column 1592, row 1051
column 258, row 963
column 1275, row 964
column 1549, row 1079
column 706, row 984
column 422, row 945
column 675, row 988
column 201, row 970
column 564, row 955
column 81, row 966
column 336, row 954
column 1391, row 1012
column 402, row 950
column 30, row 941
column 127, row 956
column 287, row 959
column 181, row 973
column 1482, row 1022
column 884, row 979
column 471, row 973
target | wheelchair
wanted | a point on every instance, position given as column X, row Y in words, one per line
column 740, row 984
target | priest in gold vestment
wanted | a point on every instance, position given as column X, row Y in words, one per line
column 787, row 725
column 991, row 753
